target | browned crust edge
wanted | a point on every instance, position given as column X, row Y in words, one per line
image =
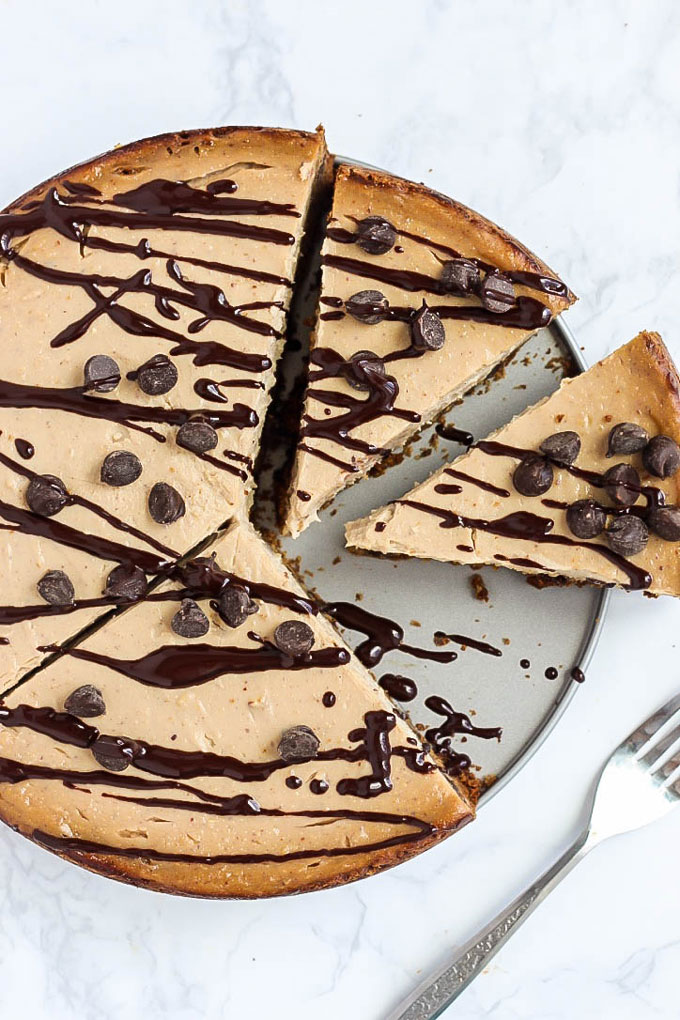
column 131, row 871
column 149, row 147
column 491, row 230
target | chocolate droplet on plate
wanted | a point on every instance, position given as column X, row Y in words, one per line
column 235, row 605
column 298, row 743
column 46, row 495
column 294, row 637
column 197, row 436
column 101, row 373
column 368, row 306
column 362, row 368
column 664, row 521
column 120, row 468
column 427, row 330
column 533, row 475
column 626, row 437
column 165, row 504
column 562, row 447
column 497, row 293
column 85, row 702
column 627, row 536
column 586, row 519
column 190, row 621
column 56, row 588
column 157, row 375
column 376, row 235
column 460, row 277
column 622, row 484
column 661, row 456
column 126, row 583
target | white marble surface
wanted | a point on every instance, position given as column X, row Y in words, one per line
column 561, row 120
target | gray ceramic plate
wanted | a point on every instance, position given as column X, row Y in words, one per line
column 554, row 628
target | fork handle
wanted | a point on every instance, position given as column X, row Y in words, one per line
column 440, row 989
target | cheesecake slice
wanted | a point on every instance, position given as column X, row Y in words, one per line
column 421, row 298
column 219, row 739
column 584, row 485
column 142, row 314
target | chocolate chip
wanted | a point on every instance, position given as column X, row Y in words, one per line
column 376, row 235
column 235, row 605
column 367, row 306
column 627, row 536
column 665, row 522
column 562, row 447
column 427, row 330
column 157, row 375
column 126, row 583
column 298, row 744
column 533, row 475
column 86, row 702
column 361, row 368
column 120, row 468
column 102, row 373
column 46, row 495
column 115, row 753
column 165, row 504
column 294, row 637
column 190, row 621
column 586, row 519
column 626, row 437
column 622, row 484
column 497, row 292
column 460, row 276
column 661, row 456
column 56, row 588
column 197, row 436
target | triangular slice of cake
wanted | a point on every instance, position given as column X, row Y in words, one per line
column 219, row 739
column 421, row 298
column 142, row 313
column 583, row 485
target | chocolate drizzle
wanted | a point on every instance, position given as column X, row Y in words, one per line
column 454, row 723
column 382, row 635
column 468, row 642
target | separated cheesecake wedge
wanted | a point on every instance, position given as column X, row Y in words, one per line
column 583, row 485
column 421, row 298
column 142, row 313
column 219, row 739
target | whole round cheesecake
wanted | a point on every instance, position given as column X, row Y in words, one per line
column 176, row 710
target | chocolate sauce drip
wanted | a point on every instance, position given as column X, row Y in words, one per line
column 519, row 561
column 76, row 400
column 202, row 578
column 68, row 218
column 454, row 435
column 103, row 548
column 94, row 508
column 532, row 528
column 302, row 495
column 468, row 642
column 382, row 635
column 535, row 281
column 496, row 490
column 176, row 666
column 382, row 392
column 24, row 448
column 10, row 615
column 162, row 197
column 454, row 723
column 401, row 688
column 577, row 674
column 322, row 455
column 376, row 738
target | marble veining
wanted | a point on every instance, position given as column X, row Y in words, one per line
column 562, row 124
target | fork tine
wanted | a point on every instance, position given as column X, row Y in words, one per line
column 654, row 756
column 644, row 737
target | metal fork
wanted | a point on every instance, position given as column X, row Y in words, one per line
column 638, row 784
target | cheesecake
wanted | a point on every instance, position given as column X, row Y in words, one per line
column 421, row 298
column 584, row 485
column 142, row 313
column 218, row 738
